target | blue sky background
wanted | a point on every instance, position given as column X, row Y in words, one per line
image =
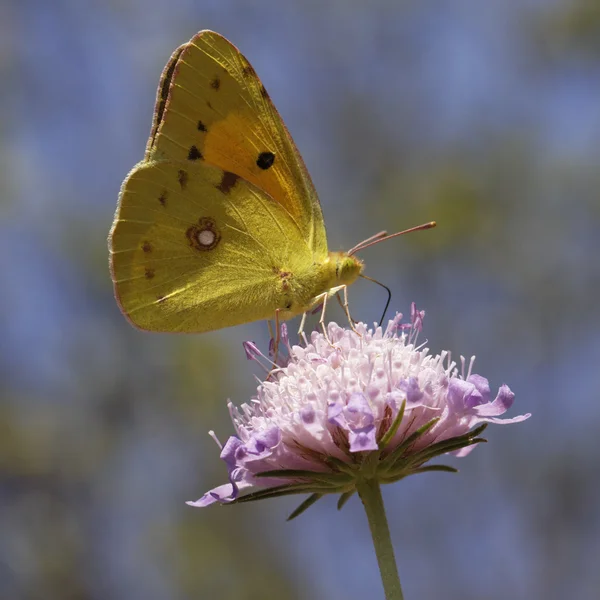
column 481, row 115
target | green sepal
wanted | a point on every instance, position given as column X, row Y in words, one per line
column 443, row 447
column 443, row 468
column 288, row 490
column 336, row 479
column 304, row 506
column 385, row 440
column 449, row 445
column 344, row 498
column 340, row 465
column 394, row 456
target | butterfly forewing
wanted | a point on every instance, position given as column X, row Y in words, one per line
column 211, row 107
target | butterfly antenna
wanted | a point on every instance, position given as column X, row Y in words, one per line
column 385, row 287
column 373, row 238
column 383, row 235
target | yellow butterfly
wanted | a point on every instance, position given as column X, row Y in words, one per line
column 220, row 224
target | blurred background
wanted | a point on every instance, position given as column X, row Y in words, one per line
column 484, row 116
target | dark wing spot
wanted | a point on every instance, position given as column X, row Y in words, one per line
column 215, row 84
column 167, row 76
column 147, row 246
column 227, row 182
column 265, row 160
column 148, row 273
column 194, row 153
column 164, row 86
column 263, row 92
column 182, row 177
column 202, row 127
column 248, row 71
column 163, row 197
column 209, row 104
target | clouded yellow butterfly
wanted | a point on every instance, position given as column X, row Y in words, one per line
column 220, row 223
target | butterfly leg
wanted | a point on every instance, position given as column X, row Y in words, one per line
column 345, row 308
column 301, row 333
column 316, row 301
column 276, row 339
column 322, row 320
column 344, row 305
column 274, row 343
column 270, row 329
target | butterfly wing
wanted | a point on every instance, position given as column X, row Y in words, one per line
column 212, row 107
column 195, row 248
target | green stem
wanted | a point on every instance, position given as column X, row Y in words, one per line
column 370, row 494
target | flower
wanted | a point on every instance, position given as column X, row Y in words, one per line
column 362, row 404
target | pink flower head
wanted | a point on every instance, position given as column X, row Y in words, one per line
column 372, row 404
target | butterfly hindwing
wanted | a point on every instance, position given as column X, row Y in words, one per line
column 212, row 107
column 195, row 248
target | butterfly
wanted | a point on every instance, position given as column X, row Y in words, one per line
column 220, row 223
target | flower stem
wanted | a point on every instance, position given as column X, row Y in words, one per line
column 370, row 494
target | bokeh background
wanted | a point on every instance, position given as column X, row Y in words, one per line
column 484, row 116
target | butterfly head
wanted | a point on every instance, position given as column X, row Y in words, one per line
column 347, row 268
